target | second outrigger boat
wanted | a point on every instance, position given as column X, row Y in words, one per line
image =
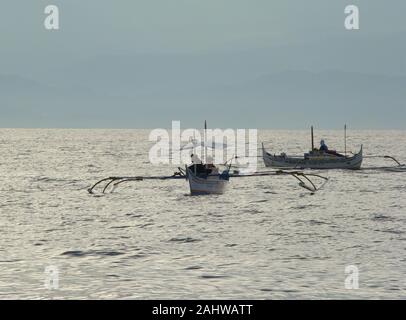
column 315, row 159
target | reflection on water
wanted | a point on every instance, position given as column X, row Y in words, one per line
column 265, row 238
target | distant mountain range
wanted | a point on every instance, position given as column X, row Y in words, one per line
column 125, row 94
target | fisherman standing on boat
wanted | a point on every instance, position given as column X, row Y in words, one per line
column 323, row 146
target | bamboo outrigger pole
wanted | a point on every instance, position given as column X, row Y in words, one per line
column 110, row 183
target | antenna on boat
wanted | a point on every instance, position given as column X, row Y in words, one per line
column 345, row 139
column 312, row 138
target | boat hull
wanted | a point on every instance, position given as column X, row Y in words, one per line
column 275, row 161
column 212, row 184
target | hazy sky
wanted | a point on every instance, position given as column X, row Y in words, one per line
column 250, row 63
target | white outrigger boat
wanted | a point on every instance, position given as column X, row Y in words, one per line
column 315, row 159
column 206, row 182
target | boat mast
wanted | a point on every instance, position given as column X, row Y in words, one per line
column 345, row 139
column 194, row 152
column 312, row 136
column 205, row 142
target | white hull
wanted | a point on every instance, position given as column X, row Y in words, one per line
column 325, row 162
column 213, row 184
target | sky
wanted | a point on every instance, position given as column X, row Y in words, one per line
column 237, row 63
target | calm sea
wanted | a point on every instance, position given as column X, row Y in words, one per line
column 266, row 238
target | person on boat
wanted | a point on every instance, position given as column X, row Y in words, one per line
column 323, row 146
column 197, row 166
column 325, row 149
column 195, row 159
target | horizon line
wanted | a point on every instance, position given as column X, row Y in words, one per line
column 169, row 128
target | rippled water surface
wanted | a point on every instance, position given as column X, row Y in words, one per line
column 265, row 238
